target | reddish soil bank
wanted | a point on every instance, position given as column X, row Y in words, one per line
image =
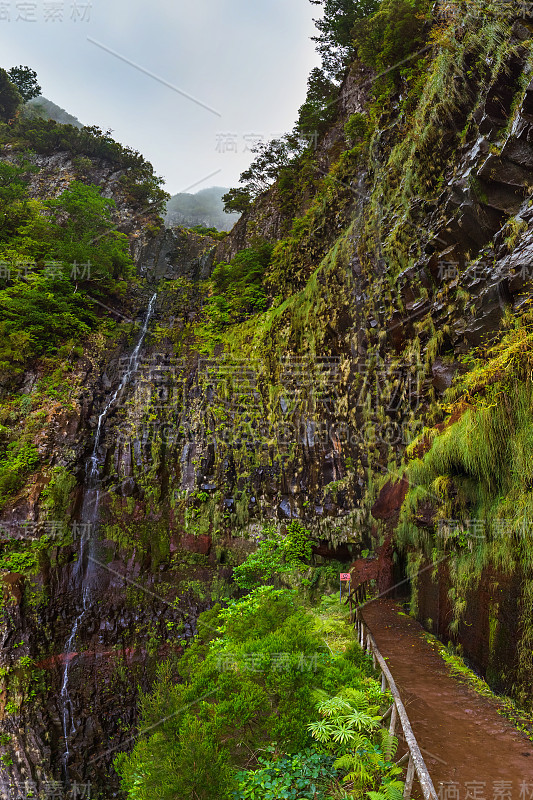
column 472, row 752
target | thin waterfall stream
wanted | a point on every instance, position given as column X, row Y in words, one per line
column 83, row 572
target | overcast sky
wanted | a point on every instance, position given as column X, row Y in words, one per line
column 242, row 63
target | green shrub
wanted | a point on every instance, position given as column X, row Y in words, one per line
column 19, row 460
column 23, row 562
column 356, row 128
column 56, row 495
column 237, row 287
column 276, row 555
column 248, row 681
column 298, row 545
column 56, row 253
column 302, row 776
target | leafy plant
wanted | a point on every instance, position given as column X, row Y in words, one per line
column 356, row 127
column 349, row 725
column 300, row 776
column 276, row 555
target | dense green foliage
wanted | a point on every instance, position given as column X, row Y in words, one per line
column 271, row 159
column 46, row 136
column 20, row 458
column 311, row 236
column 302, row 776
column 386, row 37
column 213, row 232
column 237, row 288
column 57, row 258
column 252, row 679
column 237, row 200
column 356, row 127
column 85, row 231
column 349, row 725
column 53, row 255
column 461, row 57
column 277, row 554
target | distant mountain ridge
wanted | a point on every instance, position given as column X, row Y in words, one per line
column 204, row 208
column 45, row 109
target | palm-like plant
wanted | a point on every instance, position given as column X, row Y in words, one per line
column 349, row 725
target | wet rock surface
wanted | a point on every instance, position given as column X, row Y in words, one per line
column 190, row 469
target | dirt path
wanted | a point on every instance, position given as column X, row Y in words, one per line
column 472, row 752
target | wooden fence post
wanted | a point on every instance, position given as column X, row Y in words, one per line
column 393, row 719
column 409, row 779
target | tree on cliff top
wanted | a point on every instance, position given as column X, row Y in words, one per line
column 10, row 97
column 25, row 79
column 336, row 47
column 17, row 85
column 335, row 43
column 320, row 106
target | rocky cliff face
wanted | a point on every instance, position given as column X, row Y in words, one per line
column 54, row 173
column 302, row 412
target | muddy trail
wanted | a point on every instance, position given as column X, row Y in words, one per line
column 471, row 751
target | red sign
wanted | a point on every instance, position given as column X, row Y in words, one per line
column 345, row 576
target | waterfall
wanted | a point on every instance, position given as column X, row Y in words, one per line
column 89, row 516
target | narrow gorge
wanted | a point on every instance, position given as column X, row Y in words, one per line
column 193, row 419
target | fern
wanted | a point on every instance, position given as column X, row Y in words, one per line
column 357, row 698
column 388, row 742
column 393, row 790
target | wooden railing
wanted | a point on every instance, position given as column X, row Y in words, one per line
column 415, row 761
